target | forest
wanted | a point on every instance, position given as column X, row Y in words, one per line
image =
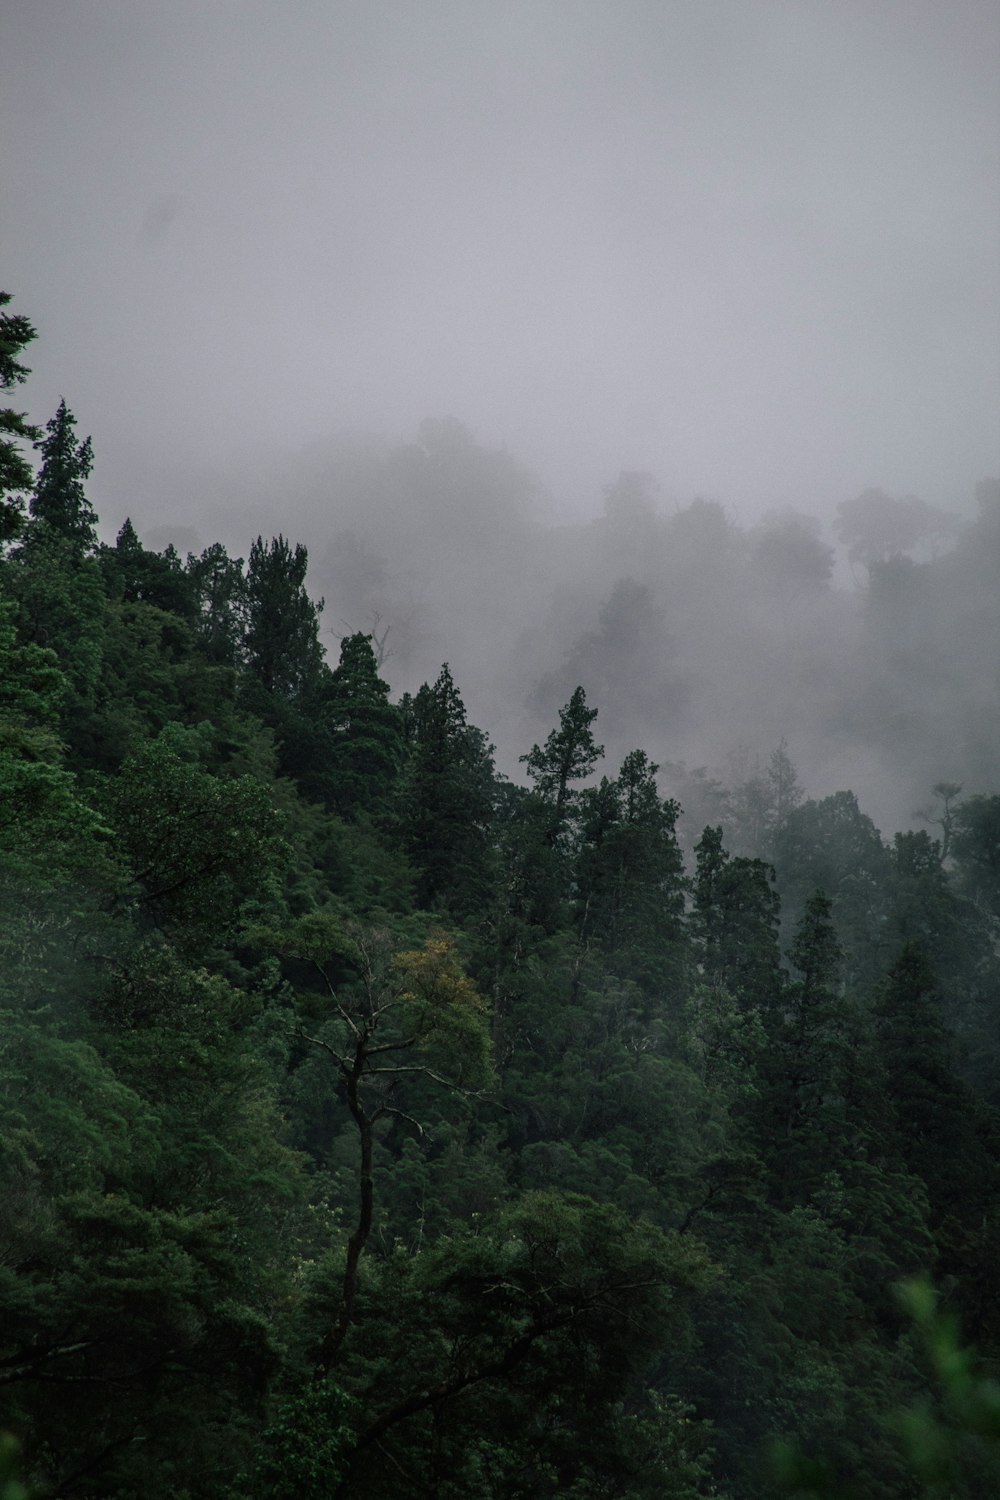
column 381, row 1121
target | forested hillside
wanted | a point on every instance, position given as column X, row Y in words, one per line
column 376, row 1125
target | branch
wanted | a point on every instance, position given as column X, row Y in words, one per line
column 410, row 1041
column 318, row 1041
column 25, row 1364
column 448, row 1083
column 390, row 1109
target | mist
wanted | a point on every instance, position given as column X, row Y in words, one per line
column 559, row 333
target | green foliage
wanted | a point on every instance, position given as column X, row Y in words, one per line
column 585, row 1197
column 364, row 747
column 281, row 641
column 15, row 472
column 976, row 849
column 134, row 575
column 832, row 846
column 736, row 919
column 950, row 1439
column 304, row 1448
column 544, row 1315
column 569, row 754
column 630, row 885
column 200, row 845
column 11, row 1487
column 61, row 606
column 59, row 499
column 447, row 800
column 220, row 591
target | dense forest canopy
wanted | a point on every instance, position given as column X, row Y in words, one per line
column 374, row 1123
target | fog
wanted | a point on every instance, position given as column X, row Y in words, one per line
column 416, row 284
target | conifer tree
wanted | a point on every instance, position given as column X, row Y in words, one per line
column 220, row 591
column 448, row 798
column 736, row 920
column 569, row 754
column 56, row 579
column 630, row 886
column 282, row 645
column 15, row 471
column 365, row 746
column 932, row 1110
column 135, row 575
column 60, row 499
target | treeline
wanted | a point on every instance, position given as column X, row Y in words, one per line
column 371, row 1125
column 703, row 638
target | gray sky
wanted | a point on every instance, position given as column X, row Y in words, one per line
column 750, row 245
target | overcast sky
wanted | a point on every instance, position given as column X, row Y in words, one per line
column 752, row 246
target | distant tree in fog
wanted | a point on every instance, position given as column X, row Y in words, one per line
column 875, row 526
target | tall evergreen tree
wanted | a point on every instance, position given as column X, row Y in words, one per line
column 15, row 471
column 60, row 499
column 364, row 745
column 282, row 645
column 933, row 1112
column 448, row 799
column 134, row 575
column 630, row 886
column 569, row 754
column 736, row 911
column 807, row 1060
column 976, row 849
column 221, row 602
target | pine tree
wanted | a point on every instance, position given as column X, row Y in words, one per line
column 135, row 575
column 364, row 739
column 976, row 849
column 448, row 798
column 736, row 910
column 630, row 886
column 60, row 499
column 808, row 1061
column 932, row 1110
column 569, row 754
column 15, row 471
column 220, row 591
column 281, row 644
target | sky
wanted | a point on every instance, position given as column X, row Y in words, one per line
column 750, row 246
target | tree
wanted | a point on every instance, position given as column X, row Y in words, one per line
column 407, row 1017
column 807, row 1058
column 876, row 527
column 945, row 794
column 53, row 574
column 832, row 846
column 569, row 754
column 15, row 472
column 532, row 1376
column 199, row 845
column 134, row 575
column 736, row 911
column 282, row 645
column 220, row 591
column 60, row 499
column 976, row 850
column 933, row 1113
column 447, row 799
column 790, row 556
column 53, row 845
column 363, row 740
column 630, row 885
